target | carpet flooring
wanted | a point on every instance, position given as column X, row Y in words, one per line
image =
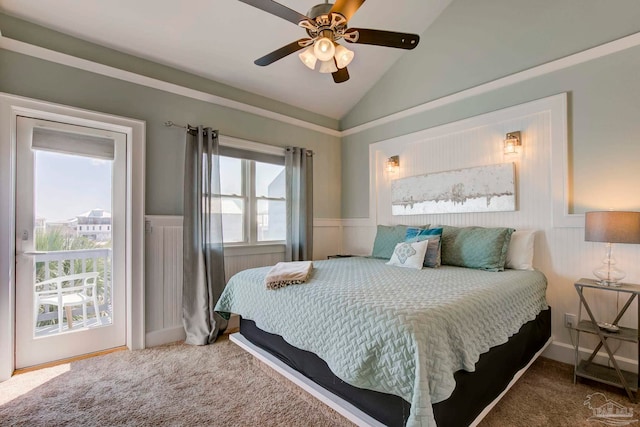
column 221, row 385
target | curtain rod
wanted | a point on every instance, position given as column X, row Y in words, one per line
column 188, row 127
column 169, row 124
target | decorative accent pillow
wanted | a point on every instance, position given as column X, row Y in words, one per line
column 387, row 237
column 409, row 254
column 476, row 247
column 520, row 251
column 433, row 235
column 415, row 232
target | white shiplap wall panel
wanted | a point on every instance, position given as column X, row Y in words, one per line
column 164, row 268
column 478, row 147
column 234, row 264
column 560, row 253
column 172, row 276
column 154, row 281
column 163, row 280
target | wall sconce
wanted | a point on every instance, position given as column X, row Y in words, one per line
column 393, row 164
column 512, row 143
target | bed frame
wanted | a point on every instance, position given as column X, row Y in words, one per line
column 475, row 395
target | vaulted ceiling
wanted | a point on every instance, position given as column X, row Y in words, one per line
column 220, row 39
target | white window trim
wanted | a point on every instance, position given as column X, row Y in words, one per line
column 269, row 246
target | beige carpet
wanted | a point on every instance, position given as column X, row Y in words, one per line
column 220, row 385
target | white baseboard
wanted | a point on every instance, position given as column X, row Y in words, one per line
column 165, row 336
column 565, row 353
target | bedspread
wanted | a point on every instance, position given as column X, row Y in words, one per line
column 394, row 330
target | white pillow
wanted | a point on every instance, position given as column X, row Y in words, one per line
column 409, row 254
column 520, row 250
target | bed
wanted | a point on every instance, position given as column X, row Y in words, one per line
column 407, row 347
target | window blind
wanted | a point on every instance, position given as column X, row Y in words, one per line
column 73, row 143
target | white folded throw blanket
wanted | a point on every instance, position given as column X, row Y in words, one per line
column 288, row 273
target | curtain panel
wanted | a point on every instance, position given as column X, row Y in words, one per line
column 299, row 187
column 203, row 252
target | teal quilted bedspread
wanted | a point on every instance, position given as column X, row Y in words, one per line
column 394, row 330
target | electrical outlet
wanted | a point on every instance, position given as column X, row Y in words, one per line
column 569, row 320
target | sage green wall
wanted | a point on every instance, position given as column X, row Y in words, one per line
column 476, row 42
column 34, row 78
column 33, row 34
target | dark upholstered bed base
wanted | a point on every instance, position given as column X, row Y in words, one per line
column 474, row 390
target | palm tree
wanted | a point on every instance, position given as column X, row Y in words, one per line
column 58, row 239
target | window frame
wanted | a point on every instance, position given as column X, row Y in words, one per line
column 248, row 186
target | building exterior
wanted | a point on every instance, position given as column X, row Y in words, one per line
column 94, row 225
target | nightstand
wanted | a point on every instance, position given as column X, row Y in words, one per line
column 587, row 368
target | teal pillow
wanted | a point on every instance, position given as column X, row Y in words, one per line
column 415, row 232
column 387, row 237
column 432, row 258
column 476, row 247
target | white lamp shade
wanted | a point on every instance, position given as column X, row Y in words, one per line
column 324, row 49
column 308, row 58
column 343, row 56
column 328, row 66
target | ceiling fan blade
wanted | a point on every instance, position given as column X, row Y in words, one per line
column 277, row 9
column 383, row 38
column 340, row 76
column 272, row 57
column 347, row 8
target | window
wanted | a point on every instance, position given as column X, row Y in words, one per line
column 253, row 200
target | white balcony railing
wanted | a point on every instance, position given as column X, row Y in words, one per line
column 63, row 263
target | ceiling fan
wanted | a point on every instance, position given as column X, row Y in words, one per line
column 326, row 24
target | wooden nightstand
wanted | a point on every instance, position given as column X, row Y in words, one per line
column 587, row 368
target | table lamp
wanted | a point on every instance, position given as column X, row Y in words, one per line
column 611, row 227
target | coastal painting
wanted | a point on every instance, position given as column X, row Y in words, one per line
column 480, row 189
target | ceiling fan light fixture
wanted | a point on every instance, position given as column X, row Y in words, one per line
column 324, row 49
column 328, row 66
column 308, row 58
column 343, row 56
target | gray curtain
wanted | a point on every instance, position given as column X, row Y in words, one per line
column 203, row 252
column 299, row 178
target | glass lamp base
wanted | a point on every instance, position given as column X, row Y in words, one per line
column 609, row 275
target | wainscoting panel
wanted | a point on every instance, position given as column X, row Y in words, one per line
column 327, row 238
column 163, row 280
column 163, row 270
column 560, row 252
column 236, row 263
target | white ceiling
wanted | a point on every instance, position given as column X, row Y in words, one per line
column 220, row 39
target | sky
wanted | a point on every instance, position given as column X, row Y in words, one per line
column 67, row 185
column 230, row 172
